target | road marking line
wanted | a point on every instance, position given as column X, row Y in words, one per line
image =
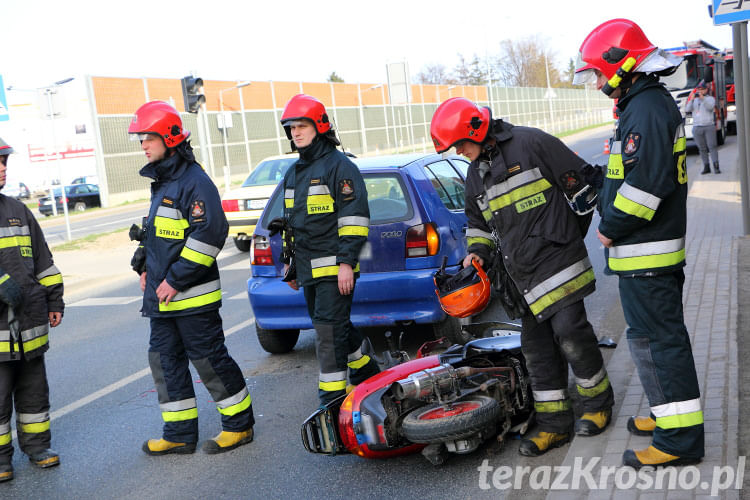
column 105, row 301
column 241, row 295
column 125, row 381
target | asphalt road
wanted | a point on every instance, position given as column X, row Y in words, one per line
column 93, row 221
column 104, row 406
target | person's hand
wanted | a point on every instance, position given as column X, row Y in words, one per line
column 346, row 279
column 55, row 318
column 470, row 257
column 605, row 241
column 143, row 281
column 293, row 283
column 165, row 292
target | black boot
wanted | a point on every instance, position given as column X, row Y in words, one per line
column 706, row 169
column 716, row 168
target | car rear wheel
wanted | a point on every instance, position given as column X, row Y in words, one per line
column 277, row 341
column 450, row 328
column 242, row 245
column 79, row 206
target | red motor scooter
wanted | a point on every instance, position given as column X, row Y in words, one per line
column 437, row 404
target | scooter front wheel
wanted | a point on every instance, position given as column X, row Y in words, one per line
column 438, row 423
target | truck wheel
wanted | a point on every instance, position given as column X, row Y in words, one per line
column 242, row 245
column 450, row 328
column 438, row 423
column 79, row 206
column 277, row 341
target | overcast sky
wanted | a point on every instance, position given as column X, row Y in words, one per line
column 45, row 40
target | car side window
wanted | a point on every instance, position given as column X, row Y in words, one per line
column 461, row 165
column 81, row 190
column 386, row 198
column 92, row 188
column 448, row 184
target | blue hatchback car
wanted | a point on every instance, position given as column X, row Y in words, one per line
column 416, row 217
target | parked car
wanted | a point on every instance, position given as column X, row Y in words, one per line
column 244, row 205
column 86, row 179
column 18, row 191
column 79, row 197
column 416, row 217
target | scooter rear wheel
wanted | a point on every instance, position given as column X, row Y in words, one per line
column 438, row 423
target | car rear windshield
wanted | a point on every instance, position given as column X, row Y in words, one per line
column 269, row 172
column 386, row 196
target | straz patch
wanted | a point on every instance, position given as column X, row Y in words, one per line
column 26, row 252
column 197, row 209
column 530, row 202
column 346, row 187
column 14, row 221
column 172, row 234
column 319, row 204
column 167, row 202
column 514, row 169
column 632, row 142
column 571, row 182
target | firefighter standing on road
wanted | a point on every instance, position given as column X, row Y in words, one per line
column 643, row 221
column 31, row 291
column 325, row 203
column 523, row 182
column 184, row 233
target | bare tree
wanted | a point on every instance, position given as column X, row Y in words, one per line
column 522, row 64
column 436, row 74
column 472, row 73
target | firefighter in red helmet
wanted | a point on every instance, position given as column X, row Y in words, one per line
column 184, row 232
column 525, row 187
column 643, row 219
column 325, row 204
column 31, row 301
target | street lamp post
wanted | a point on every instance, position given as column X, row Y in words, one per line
column 224, row 132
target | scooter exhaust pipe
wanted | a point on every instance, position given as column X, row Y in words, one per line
column 425, row 383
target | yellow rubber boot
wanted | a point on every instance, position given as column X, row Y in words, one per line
column 6, row 472
column 654, row 458
column 593, row 423
column 158, row 447
column 227, row 440
column 541, row 443
column 641, row 426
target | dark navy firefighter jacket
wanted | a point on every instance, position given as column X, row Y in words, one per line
column 185, row 231
column 325, row 200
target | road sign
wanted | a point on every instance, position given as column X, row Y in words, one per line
column 4, row 115
column 731, row 11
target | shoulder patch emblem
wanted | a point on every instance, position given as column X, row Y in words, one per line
column 346, row 187
column 14, row 221
column 632, row 142
column 197, row 209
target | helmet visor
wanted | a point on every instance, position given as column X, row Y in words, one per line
column 141, row 136
column 584, row 76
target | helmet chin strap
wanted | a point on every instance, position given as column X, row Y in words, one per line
column 618, row 80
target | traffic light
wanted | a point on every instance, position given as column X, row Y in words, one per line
column 191, row 93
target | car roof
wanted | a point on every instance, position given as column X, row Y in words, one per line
column 397, row 161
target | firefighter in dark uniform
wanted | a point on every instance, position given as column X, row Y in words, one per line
column 31, row 291
column 185, row 231
column 325, row 203
column 642, row 227
column 523, row 183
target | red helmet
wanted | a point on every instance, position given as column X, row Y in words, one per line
column 465, row 293
column 5, row 149
column 158, row 117
column 306, row 107
column 459, row 119
column 609, row 46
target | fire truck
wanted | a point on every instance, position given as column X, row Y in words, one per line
column 701, row 62
column 729, row 80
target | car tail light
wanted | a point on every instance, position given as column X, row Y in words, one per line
column 346, row 426
column 422, row 240
column 230, row 205
column 260, row 251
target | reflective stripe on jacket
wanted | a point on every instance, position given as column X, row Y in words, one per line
column 185, row 231
column 26, row 259
column 643, row 200
column 521, row 193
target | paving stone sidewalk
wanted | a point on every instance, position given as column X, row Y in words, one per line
column 711, row 306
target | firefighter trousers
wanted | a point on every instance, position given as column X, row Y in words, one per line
column 660, row 348
column 200, row 339
column 23, row 384
column 339, row 343
column 564, row 338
